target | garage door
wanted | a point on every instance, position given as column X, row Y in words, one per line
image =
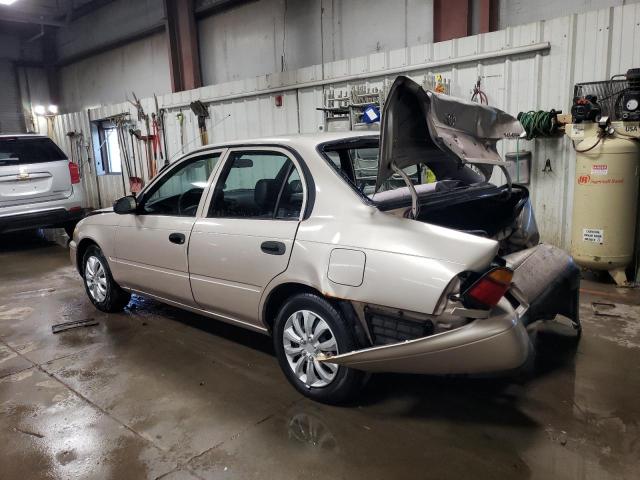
column 11, row 116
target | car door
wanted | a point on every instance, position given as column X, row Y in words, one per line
column 151, row 245
column 245, row 238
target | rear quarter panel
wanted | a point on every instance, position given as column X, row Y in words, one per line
column 407, row 264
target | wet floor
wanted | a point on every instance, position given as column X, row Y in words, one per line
column 159, row 393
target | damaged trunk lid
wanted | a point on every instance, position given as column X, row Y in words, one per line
column 443, row 132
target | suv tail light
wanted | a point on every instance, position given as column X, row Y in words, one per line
column 74, row 172
column 490, row 288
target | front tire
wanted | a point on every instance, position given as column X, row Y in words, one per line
column 307, row 325
column 105, row 294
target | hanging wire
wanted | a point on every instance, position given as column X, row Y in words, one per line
column 478, row 95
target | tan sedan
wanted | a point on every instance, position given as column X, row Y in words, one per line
column 338, row 247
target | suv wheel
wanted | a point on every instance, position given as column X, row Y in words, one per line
column 306, row 326
column 102, row 290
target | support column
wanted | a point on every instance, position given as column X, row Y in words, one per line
column 50, row 56
column 488, row 15
column 451, row 19
column 182, row 35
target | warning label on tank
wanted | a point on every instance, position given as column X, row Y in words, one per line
column 577, row 131
column 593, row 235
column 597, row 169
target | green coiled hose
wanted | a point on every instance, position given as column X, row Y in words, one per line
column 538, row 123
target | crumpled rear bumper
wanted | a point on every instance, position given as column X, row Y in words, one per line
column 546, row 283
column 497, row 343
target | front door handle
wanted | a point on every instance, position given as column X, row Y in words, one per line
column 177, row 238
column 273, row 248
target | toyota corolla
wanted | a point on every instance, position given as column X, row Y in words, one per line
column 356, row 252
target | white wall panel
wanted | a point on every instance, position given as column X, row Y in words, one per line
column 580, row 47
column 273, row 35
column 141, row 66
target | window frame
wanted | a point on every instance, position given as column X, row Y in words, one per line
column 158, row 181
column 257, row 148
column 101, row 148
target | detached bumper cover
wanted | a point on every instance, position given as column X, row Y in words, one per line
column 497, row 343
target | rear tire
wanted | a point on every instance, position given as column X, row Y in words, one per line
column 105, row 294
column 306, row 325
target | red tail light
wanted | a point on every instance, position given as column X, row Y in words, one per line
column 490, row 288
column 74, row 171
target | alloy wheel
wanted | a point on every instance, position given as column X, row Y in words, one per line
column 95, row 277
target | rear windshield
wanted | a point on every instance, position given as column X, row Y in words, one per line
column 358, row 162
column 22, row 150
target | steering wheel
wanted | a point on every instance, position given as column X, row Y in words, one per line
column 192, row 198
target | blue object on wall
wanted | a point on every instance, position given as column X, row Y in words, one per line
column 371, row 114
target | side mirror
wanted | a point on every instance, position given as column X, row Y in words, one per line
column 125, row 205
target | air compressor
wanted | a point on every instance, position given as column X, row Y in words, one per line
column 605, row 194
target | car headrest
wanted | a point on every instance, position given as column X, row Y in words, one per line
column 295, row 186
column 265, row 194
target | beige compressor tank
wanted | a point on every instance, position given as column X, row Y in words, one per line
column 605, row 197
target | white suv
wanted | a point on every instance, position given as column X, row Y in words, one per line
column 39, row 186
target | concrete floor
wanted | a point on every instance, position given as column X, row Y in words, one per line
column 156, row 392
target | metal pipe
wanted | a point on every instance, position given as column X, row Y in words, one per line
column 476, row 57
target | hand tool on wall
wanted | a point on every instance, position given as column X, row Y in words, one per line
column 142, row 116
column 139, row 139
column 478, row 95
column 77, row 146
column 160, row 132
column 133, row 154
column 201, row 111
column 162, row 113
column 180, row 119
column 154, row 137
column 127, row 157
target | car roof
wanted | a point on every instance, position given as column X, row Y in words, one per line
column 309, row 140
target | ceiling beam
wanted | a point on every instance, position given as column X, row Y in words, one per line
column 87, row 8
column 12, row 15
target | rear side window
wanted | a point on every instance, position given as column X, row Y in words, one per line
column 21, row 151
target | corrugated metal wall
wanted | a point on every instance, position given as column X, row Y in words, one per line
column 11, row 116
column 585, row 47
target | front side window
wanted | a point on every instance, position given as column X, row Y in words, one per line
column 258, row 184
column 180, row 191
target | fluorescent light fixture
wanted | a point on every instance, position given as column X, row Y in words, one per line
column 53, row 109
column 38, row 109
column 7, row 2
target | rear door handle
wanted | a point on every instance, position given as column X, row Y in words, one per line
column 273, row 248
column 177, row 238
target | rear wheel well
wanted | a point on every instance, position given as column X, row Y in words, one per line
column 279, row 296
column 282, row 293
column 82, row 248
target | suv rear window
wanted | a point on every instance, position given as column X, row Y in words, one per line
column 23, row 150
